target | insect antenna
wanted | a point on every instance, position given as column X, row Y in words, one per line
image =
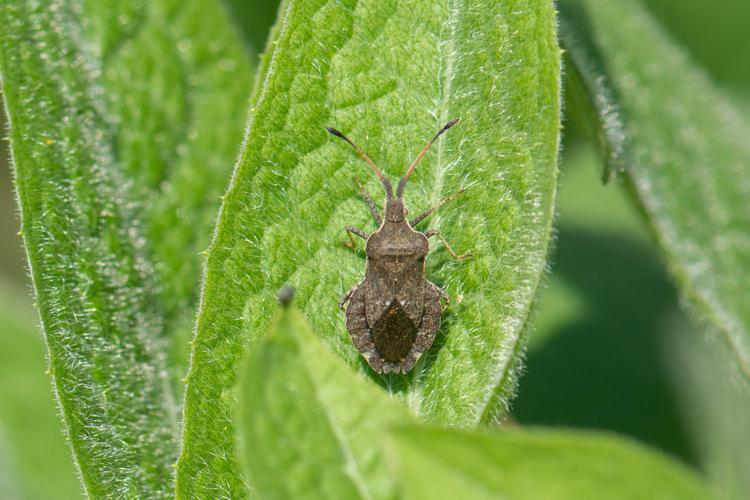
column 405, row 178
column 386, row 183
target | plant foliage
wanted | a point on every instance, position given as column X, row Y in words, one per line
column 535, row 464
column 389, row 75
column 125, row 119
column 312, row 427
column 683, row 150
column 117, row 158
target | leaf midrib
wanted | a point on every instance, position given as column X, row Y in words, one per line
column 446, row 89
column 414, row 399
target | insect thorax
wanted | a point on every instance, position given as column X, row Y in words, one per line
column 396, row 240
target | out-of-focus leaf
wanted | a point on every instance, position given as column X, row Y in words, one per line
column 312, row 427
column 596, row 359
column 716, row 403
column 8, row 487
column 715, row 44
column 254, row 19
column 388, row 74
column 11, row 248
column 684, row 152
column 124, row 119
column 84, row 243
column 176, row 78
column 534, row 465
column 31, row 432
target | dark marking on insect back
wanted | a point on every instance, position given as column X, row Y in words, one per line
column 393, row 333
column 394, row 313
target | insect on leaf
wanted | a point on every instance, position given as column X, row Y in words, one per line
column 387, row 74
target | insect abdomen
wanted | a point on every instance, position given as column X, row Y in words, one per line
column 393, row 333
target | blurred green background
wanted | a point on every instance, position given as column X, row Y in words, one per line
column 610, row 343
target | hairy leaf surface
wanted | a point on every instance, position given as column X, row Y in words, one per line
column 124, row 118
column 312, row 428
column 388, row 74
column 535, row 465
column 86, row 256
column 684, row 153
column 176, row 79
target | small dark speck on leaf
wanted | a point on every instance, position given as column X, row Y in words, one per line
column 285, row 295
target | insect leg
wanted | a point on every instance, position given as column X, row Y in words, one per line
column 416, row 220
column 346, row 297
column 427, row 329
column 358, row 232
column 434, row 232
column 368, row 199
column 443, row 294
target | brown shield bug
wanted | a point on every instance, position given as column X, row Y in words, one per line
column 394, row 313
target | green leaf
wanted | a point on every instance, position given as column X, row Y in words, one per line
column 177, row 79
column 312, row 428
column 713, row 45
column 716, row 408
column 254, row 19
column 684, row 152
column 571, row 376
column 29, row 427
column 125, row 117
column 84, row 246
column 8, row 486
column 388, row 74
column 536, row 465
